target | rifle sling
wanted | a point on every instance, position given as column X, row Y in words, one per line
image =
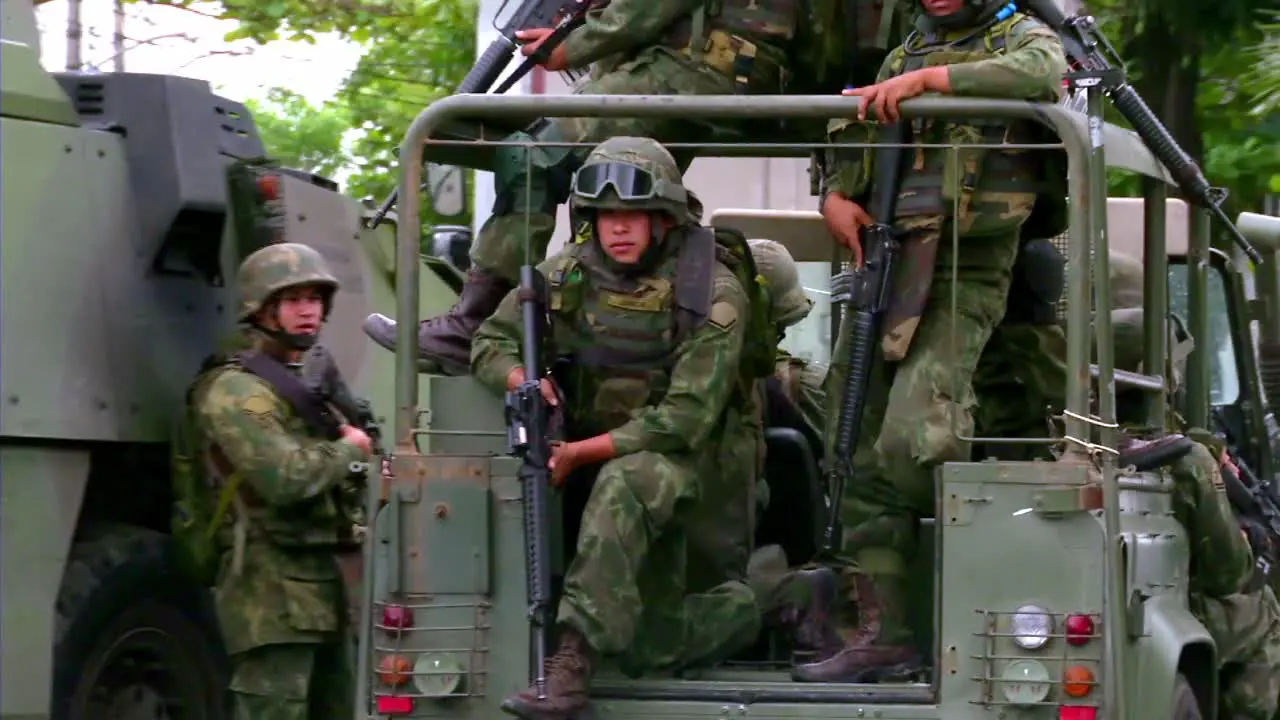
column 304, row 402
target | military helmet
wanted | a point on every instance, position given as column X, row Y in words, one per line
column 788, row 303
column 631, row 173
column 275, row 267
column 1126, row 280
column 1130, row 345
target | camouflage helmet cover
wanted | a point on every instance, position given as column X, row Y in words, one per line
column 788, row 303
column 276, row 267
column 1130, row 345
column 646, row 154
column 1126, row 280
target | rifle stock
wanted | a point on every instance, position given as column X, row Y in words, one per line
column 866, row 298
column 529, row 435
column 1088, row 49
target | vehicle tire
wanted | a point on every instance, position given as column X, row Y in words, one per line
column 135, row 638
column 1185, row 704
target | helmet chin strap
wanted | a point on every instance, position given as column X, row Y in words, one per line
column 294, row 341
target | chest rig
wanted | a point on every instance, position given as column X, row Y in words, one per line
column 943, row 181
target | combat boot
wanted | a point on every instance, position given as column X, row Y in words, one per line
column 444, row 341
column 870, row 653
column 568, row 678
column 804, row 608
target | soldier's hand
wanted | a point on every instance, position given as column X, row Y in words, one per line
column 533, row 39
column 845, row 219
column 1228, row 465
column 564, row 460
column 355, row 436
column 516, row 378
column 885, row 96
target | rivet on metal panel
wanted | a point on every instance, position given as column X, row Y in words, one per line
column 442, row 510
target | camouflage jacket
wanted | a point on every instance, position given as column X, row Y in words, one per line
column 803, row 382
column 292, row 482
column 1221, row 560
column 678, row 405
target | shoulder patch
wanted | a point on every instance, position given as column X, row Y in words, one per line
column 723, row 315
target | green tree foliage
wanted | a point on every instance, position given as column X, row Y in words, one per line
column 300, row 135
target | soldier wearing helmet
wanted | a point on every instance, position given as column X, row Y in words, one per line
column 1229, row 591
column 796, row 386
column 278, row 477
column 655, row 404
column 960, row 217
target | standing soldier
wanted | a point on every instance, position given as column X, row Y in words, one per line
column 638, row 47
column 277, row 467
column 660, row 372
column 920, row 386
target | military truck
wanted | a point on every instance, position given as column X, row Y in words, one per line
column 1047, row 589
column 128, row 200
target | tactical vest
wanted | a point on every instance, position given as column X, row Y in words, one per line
column 617, row 338
column 749, row 40
column 215, row 510
column 940, row 177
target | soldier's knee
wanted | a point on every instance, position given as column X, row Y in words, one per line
column 923, row 428
column 272, row 681
column 655, row 481
column 531, row 173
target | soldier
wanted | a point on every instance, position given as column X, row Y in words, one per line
column 656, row 382
column 653, row 47
column 278, row 593
column 795, row 380
column 1228, row 591
column 921, row 382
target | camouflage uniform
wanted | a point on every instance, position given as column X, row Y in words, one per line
column 1239, row 611
column 665, row 397
column 279, row 592
column 638, row 47
column 921, row 385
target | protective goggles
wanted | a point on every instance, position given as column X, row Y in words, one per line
column 628, row 181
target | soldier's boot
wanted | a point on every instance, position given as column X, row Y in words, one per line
column 804, row 606
column 878, row 648
column 568, row 679
column 444, row 341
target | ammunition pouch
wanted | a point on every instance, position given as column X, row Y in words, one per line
column 755, row 68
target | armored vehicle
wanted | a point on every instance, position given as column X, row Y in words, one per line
column 1048, row 589
column 128, row 201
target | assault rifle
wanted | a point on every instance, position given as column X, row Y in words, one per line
column 1090, row 52
column 529, row 435
column 1249, row 494
column 325, row 381
column 866, row 293
column 562, row 16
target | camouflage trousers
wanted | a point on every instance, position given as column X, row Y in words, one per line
column 625, row 590
column 1020, row 382
column 1221, row 560
column 531, row 184
column 283, row 624
column 720, row 525
column 1246, row 629
column 916, row 408
column 293, row 682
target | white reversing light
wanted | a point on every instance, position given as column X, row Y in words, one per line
column 1031, row 627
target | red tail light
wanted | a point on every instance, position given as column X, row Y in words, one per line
column 397, row 617
column 269, row 187
column 394, row 705
column 1077, row 712
column 1079, row 629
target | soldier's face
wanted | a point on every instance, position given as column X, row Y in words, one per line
column 625, row 234
column 299, row 311
column 941, row 8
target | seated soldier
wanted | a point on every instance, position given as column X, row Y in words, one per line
column 794, row 394
column 1228, row 591
column 655, row 385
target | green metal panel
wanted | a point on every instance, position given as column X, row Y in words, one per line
column 40, row 494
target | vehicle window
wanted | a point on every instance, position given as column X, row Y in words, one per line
column 1224, row 379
